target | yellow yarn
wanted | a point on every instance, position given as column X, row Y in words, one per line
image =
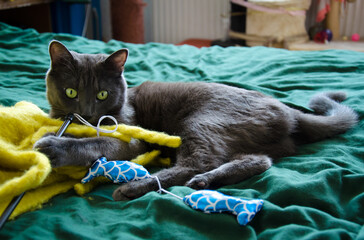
column 22, row 169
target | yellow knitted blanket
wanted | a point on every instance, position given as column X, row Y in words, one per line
column 23, row 169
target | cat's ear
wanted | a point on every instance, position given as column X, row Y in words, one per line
column 116, row 61
column 58, row 52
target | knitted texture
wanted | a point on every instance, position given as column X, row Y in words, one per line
column 23, row 169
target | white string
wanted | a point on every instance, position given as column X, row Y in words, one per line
column 97, row 128
column 163, row 190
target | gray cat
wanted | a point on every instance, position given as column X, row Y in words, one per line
column 228, row 134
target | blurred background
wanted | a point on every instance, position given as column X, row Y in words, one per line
column 276, row 23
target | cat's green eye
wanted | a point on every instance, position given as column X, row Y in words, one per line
column 71, row 93
column 102, row 95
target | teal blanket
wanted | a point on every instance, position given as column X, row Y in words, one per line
column 316, row 194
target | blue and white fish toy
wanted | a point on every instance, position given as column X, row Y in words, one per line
column 116, row 171
column 215, row 202
column 204, row 200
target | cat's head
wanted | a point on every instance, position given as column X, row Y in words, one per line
column 91, row 85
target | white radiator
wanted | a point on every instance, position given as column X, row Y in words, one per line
column 352, row 19
column 172, row 21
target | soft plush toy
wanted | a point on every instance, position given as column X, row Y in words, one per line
column 215, row 202
column 116, row 171
column 204, row 200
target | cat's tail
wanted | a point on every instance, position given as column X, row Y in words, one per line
column 330, row 117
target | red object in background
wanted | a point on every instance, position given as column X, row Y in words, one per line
column 324, row 36
column 199, row 43
column 319, row 38
column 127, row 18
column 324, row 8
column 355, row 37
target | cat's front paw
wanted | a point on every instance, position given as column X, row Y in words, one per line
column 54, row 148
column 133, row 190
column 199, row 181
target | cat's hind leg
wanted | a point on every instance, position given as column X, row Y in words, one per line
column 242, row 167
column 193, row 157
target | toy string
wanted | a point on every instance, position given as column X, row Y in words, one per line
column 163, row 190
column 97, row 127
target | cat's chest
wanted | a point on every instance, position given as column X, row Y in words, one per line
column 161, row 108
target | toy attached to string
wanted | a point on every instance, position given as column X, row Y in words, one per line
column 205, row 200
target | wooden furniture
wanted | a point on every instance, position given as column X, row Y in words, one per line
column 27, row 14
column 333, row 19
column 8, row 4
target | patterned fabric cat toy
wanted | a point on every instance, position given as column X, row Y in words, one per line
column 204, row 200
column 116, row 171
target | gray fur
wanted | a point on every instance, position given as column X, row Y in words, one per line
column 228, row 134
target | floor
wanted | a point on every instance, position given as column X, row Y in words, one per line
column 345, row 45
column 308, row 46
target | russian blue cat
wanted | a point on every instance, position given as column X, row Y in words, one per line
column 228, row 133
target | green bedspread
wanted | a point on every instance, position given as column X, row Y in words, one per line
column 316, row 194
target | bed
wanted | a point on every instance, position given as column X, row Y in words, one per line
column 316, row 194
